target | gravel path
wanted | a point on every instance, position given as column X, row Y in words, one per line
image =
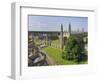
column 49, row 60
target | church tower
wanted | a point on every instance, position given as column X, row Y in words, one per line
column 82, row 30
column 69, row 29
column 61, row 36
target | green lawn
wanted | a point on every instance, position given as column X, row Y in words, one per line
column 56, row 54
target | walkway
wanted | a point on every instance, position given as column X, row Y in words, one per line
column 49, row 60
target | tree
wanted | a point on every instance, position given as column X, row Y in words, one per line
column 73, row 49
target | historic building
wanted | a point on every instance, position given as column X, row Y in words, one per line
column 48, row 35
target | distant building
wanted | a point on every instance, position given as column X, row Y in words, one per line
column 47, row 35
column 61, row 37
column 69, row 28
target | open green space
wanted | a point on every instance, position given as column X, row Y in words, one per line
column 56, row 55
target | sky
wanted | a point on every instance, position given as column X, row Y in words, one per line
column 53, row 23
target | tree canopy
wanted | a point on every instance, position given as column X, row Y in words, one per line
column 74, row 49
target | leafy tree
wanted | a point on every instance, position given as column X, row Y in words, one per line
column 74, row 49
column 85, row 34
column 54, row 37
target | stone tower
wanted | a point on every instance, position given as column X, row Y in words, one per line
column 62, row 41
column 77, row 29
column 69, row 29
column 82, row 30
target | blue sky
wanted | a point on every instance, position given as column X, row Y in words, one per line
column 53, row 23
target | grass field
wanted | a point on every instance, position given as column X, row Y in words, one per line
column 56, row 55
column 55, row 52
